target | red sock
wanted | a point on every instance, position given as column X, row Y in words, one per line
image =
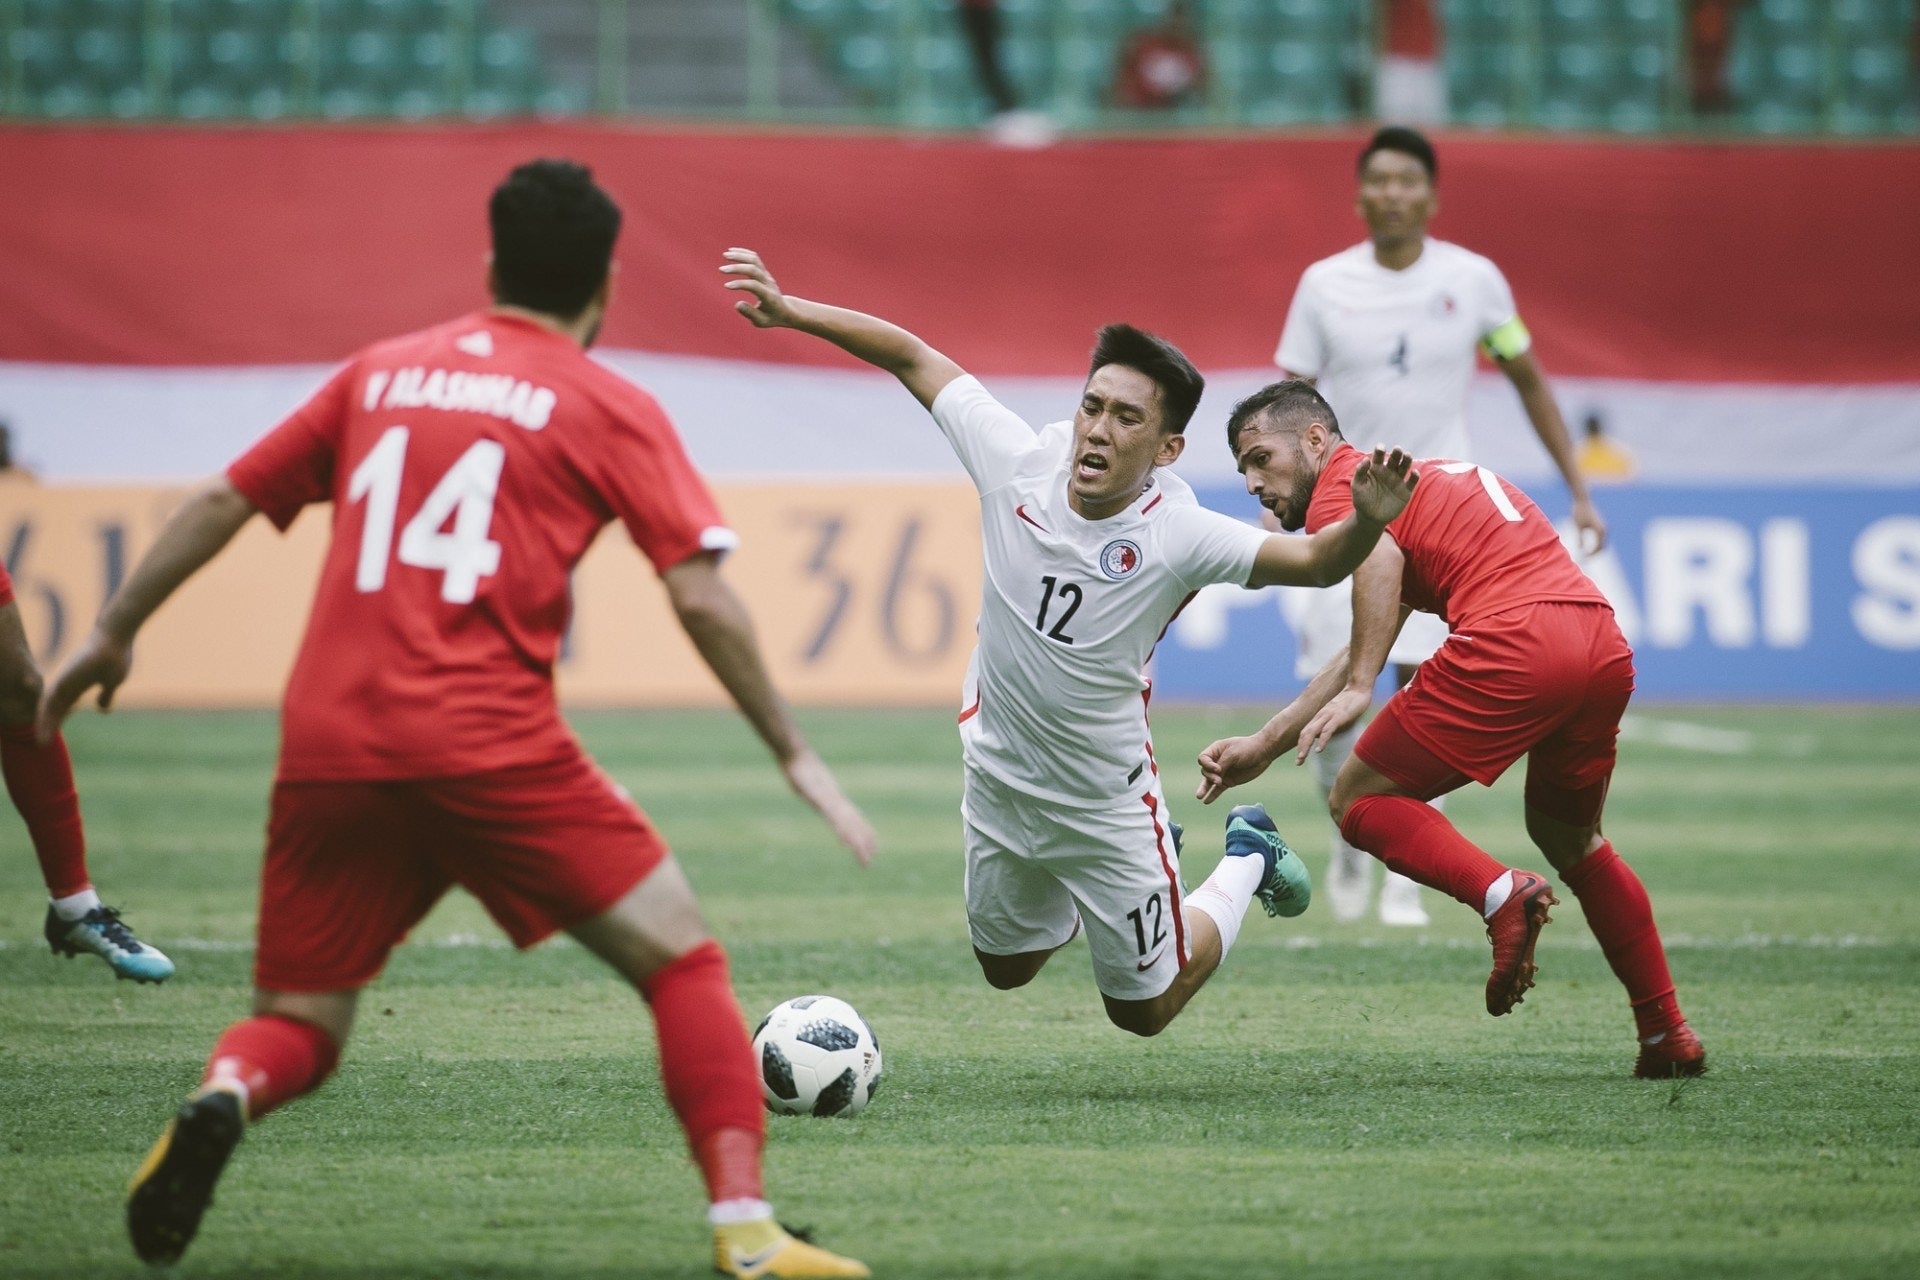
column 278, row 1059
column 40, row 780
column 1416, row 840
column 1621, row 917
column 706, row 1062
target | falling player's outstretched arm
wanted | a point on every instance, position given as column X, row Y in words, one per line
column 919, row 367
column 1382, row 487
column 717, row 622
column 193, row 535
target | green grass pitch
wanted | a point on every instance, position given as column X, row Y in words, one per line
column 1335, row 1104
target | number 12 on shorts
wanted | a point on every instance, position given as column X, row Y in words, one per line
column 1148, row 936
column 466, row 492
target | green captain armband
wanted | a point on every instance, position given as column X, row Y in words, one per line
column 1509, row 340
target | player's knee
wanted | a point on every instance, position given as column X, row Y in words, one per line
column 20, row 688
column 1005, row 973
column 1145, row 1018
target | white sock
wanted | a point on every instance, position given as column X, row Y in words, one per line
column 1227, row 893
column 76, row 905
column 1497, row 894
column 725, row 1213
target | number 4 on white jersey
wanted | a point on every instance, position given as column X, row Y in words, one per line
column 1489, row 482
column 466, row 493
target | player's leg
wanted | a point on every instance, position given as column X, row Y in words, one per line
column 341, row 885
column 1567, row 778
column 1420, row 638
column 1153, row 946
column 562, row 846
column 1388, row 815
column 39, row 780
column 1018, row 912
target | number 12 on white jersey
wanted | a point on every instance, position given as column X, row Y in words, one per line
column 466, row 493
column 1489, row 482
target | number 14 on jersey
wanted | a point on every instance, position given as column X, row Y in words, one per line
column 465, row 554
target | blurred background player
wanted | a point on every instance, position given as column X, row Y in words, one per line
column 1387, row 331
column 1091, row 547
column 470, row 466
column 40, row 782
column 1535, row 666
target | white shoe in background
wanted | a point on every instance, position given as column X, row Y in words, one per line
column 1400, row 902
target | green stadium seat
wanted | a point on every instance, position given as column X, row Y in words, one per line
column 867, row 64
column 1028, row 62
column 1876, row 80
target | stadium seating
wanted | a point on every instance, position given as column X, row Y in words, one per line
column 266, row 59
column 1843, row 66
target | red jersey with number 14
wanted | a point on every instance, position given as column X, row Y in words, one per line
column 1475, row 545
column 470, row 466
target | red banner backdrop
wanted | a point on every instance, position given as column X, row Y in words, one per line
column 1693, row 261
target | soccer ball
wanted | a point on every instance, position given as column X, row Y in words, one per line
column 817, row 1057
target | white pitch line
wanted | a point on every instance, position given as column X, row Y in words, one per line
column 1684, row 735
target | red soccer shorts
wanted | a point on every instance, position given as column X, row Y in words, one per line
column 352, row 866
column 1548, row 681
column 6, row 588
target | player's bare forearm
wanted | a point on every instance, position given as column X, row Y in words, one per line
column 921, row 369
column 193, row 535
column 196, row 532
column 1377, row 614
column 717, row 622
column 712, row 615
column 1543, row 412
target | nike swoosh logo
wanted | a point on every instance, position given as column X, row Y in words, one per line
column 1021, row 511
column 754, row 1261
column 1150, row 961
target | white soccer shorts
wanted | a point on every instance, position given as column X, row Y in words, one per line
column 1034, row 867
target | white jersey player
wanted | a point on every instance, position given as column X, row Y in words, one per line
column 1387, row 331
column 1090, row 549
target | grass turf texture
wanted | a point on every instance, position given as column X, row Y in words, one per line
column 1335, row 1104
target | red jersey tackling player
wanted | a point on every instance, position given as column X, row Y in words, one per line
column 1535, row 666
column 470, row 466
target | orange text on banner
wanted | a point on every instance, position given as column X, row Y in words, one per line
column 862, row 593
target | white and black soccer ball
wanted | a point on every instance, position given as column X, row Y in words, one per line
column 817, row 1057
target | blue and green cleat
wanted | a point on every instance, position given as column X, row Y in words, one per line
column 1287, row 888
column 103, row 933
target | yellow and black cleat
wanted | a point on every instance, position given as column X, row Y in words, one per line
column 751, row 1250
column 175, row 1183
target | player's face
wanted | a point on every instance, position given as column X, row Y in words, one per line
column 1280, row 473
column 1117, row 441
column 1396, row 197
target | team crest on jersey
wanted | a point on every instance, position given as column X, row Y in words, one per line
column 1120, row 558
column 1444, row 305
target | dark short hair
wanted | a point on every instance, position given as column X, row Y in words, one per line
column 1408, row 142
column 1291, row 402
column 553, row 234
column 1179, row 382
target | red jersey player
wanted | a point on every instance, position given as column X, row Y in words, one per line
column 40, row 782
column 470, row 466
column 1535, row 666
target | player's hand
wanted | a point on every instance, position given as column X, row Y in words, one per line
column 767, row 308
column 1343, row 709
column 1593, row 530
column 813, row 782
column 1229, row 763
column 101, row 662
column 1383, row 485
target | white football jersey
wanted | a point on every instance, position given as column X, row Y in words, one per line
column 1055, row 701
column 1393, row 351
